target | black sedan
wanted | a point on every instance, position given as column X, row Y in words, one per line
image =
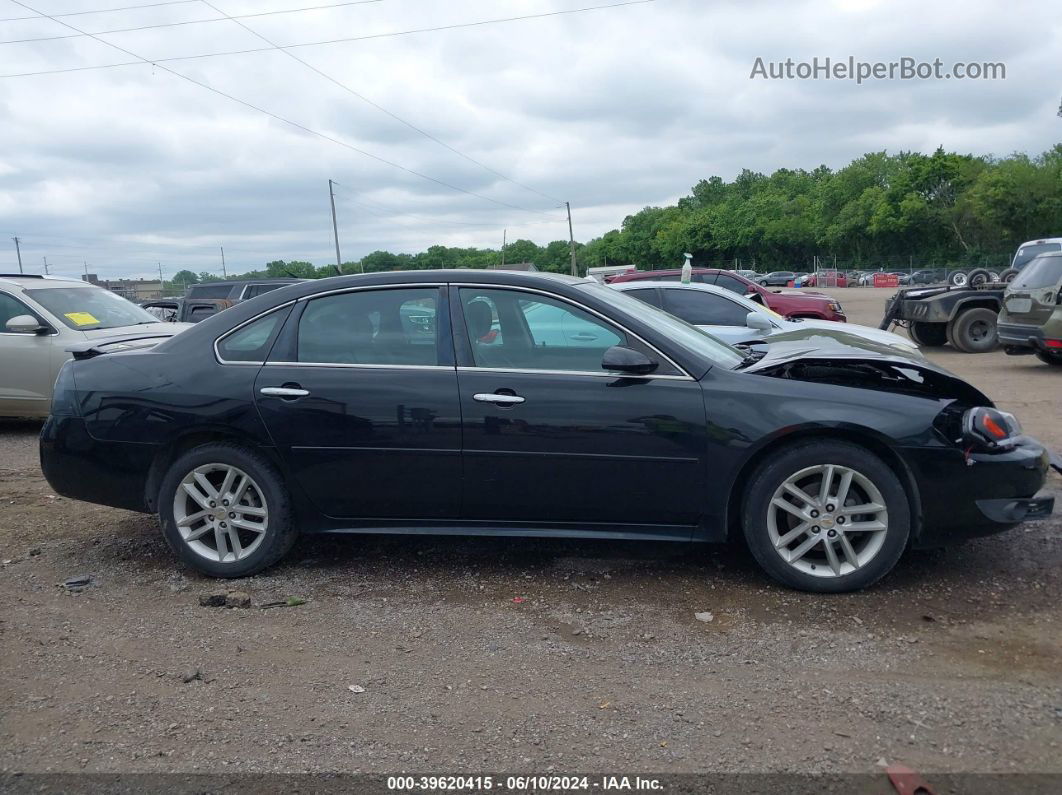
column 495, row 403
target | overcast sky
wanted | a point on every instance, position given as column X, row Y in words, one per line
column 612, row 109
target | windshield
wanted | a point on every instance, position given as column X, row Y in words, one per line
column 89, row 308
column 1026, row 253
column 678, row 330
column 1041, row 272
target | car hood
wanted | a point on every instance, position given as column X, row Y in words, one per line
column 825, row 331
column 848, row 360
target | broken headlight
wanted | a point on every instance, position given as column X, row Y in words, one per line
column 990, row 429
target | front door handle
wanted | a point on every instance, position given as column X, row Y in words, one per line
column 502, row 400
column 284, row 391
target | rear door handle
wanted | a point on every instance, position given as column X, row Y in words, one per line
column 284, row 391
column 503, row 400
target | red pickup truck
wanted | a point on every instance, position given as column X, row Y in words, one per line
column 791, row 304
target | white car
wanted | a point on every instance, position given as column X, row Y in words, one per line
column 41, row 317
column 738, row 320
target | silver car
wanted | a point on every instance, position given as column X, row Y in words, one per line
column 41, row 317
column 738, row 320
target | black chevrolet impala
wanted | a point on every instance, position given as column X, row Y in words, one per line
column 490, row 403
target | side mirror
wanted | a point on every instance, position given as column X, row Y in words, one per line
column 624, row 360
column 757, row 321
column 25, row 324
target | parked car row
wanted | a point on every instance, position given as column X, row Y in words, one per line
column 788, row 304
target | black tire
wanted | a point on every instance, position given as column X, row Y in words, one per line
column 978, row 276
column 974, row 331
column 929, row 335
column 1050, row 357
column 1008, row 275
column 280, row 531
column 958, row 278
column 770, row 476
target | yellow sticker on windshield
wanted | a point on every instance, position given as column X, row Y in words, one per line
column 81, row 318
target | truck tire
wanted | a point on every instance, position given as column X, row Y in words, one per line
column 974, row 331
column 978, row 276
column 957, row 278
column 929, row 335
column 1008, row 275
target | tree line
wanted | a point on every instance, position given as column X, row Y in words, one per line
column 879, row 210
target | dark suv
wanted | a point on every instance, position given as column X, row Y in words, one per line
column 237, row 290
column 203, row 300
column 793, row 304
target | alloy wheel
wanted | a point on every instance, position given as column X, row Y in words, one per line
column 220, row 512
column 827, row 520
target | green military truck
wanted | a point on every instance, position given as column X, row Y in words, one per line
column 1031, row 317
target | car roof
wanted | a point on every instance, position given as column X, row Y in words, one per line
column 705, row 288
column 1041, row 241
column 29, row 281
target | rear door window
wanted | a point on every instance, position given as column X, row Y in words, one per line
column 649, row 295
column 1041, row 272
column 250, row 343
column 372, row 327
column 702, row 308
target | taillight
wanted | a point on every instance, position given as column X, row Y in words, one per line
column 990, row 429
column 64, row 393
column 1053, row 344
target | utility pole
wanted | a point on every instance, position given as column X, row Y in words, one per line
column 224, row 272
column 505, row 233
column 571, row 238
column 335, row 227
column 45, row 265
column 18, row 251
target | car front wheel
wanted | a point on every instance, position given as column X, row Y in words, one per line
column 827, row 517
column 225, row 511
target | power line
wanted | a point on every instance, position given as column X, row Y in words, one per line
column 345, row 40
column 106, row 10
column 285, row 120
column 181, row 23
column 379, row 107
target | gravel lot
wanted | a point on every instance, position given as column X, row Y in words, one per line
column 472, row 655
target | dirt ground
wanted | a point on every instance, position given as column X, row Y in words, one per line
column 472, row 655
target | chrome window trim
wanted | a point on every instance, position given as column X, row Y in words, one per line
column 347, row 366
column 413, row 285
column 217, row 354
column 685, row 375
column 603, row 374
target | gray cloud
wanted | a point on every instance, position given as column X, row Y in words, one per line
column 613, row 110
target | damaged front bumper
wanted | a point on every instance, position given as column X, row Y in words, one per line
column 983, row 494
column 1013, row 511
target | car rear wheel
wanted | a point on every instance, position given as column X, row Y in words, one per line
column 1050, row 357
column 931, row 335
column 974, row 331
column 827, row 517
column 225, row 511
